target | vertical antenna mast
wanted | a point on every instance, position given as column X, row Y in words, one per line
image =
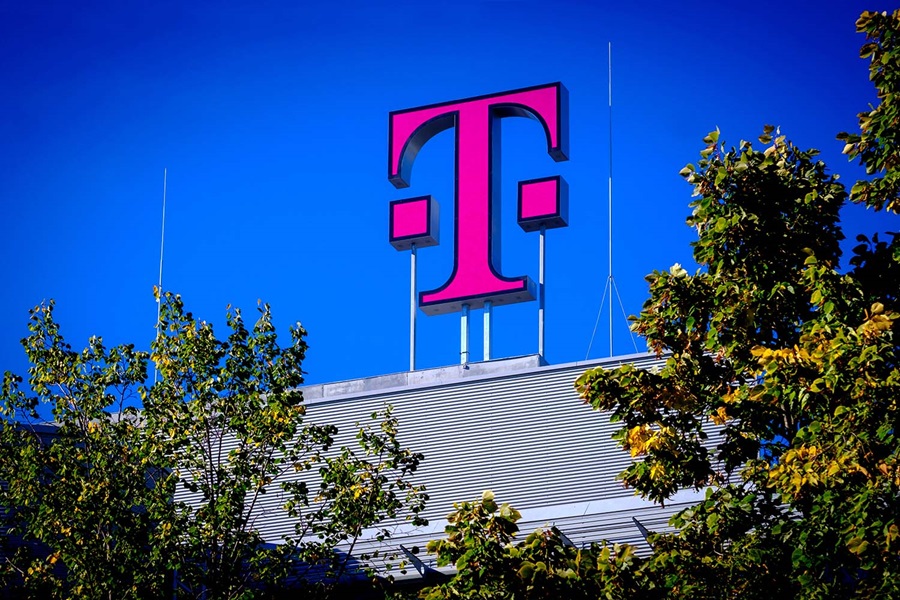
column 162, row 245
column 610, row 287
column 162, row 242
column 609, row 70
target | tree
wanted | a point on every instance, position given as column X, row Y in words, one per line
column 172, row 492
column 78, row 492
column 480, row 543
column 790, row 359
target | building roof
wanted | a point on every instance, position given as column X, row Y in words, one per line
column 514, row 426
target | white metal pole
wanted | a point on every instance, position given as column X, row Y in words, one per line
column 464, row 335
column 488, row 313
column 412, row 308
column 162, row 247
column 610, row 203
column 541, row 292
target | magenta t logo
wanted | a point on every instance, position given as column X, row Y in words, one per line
column 476, row 277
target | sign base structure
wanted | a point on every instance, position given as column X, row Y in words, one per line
column 524, row 291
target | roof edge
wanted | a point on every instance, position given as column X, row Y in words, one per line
column 454, row 374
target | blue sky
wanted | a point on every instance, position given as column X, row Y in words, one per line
column 271, row 118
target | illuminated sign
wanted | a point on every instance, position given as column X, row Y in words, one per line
column 543, row 203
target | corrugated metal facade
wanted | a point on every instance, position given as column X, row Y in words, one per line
column 512, row 426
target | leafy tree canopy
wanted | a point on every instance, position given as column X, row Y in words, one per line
column 781, row 387
column 111, row 501
column 491, row 565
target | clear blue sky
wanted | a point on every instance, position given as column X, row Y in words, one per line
column 271, row 118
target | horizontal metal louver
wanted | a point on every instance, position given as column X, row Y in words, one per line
column 521, row 431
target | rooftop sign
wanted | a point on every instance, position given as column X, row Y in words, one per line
column 543, row 204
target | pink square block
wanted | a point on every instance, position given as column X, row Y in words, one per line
column 410, row 218
column 539, row 199
column 543, row 203
column 414, row 221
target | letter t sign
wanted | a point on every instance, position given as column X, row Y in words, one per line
column 476, row 276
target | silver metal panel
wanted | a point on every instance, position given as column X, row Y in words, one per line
column 518, row 429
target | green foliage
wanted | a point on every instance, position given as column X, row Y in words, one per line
column 792, row 362
column 112, row 501
column 877, row 145
column 759, row 216
column 490, row 565
column 230, row 416
column 90, row 500
column 362, row 488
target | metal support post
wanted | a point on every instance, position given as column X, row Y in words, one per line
column 488, row 313
column 464, row 336
column 412, row 308
column 541, row 293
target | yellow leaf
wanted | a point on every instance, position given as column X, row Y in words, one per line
column 720, row 417
column 637, row 438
